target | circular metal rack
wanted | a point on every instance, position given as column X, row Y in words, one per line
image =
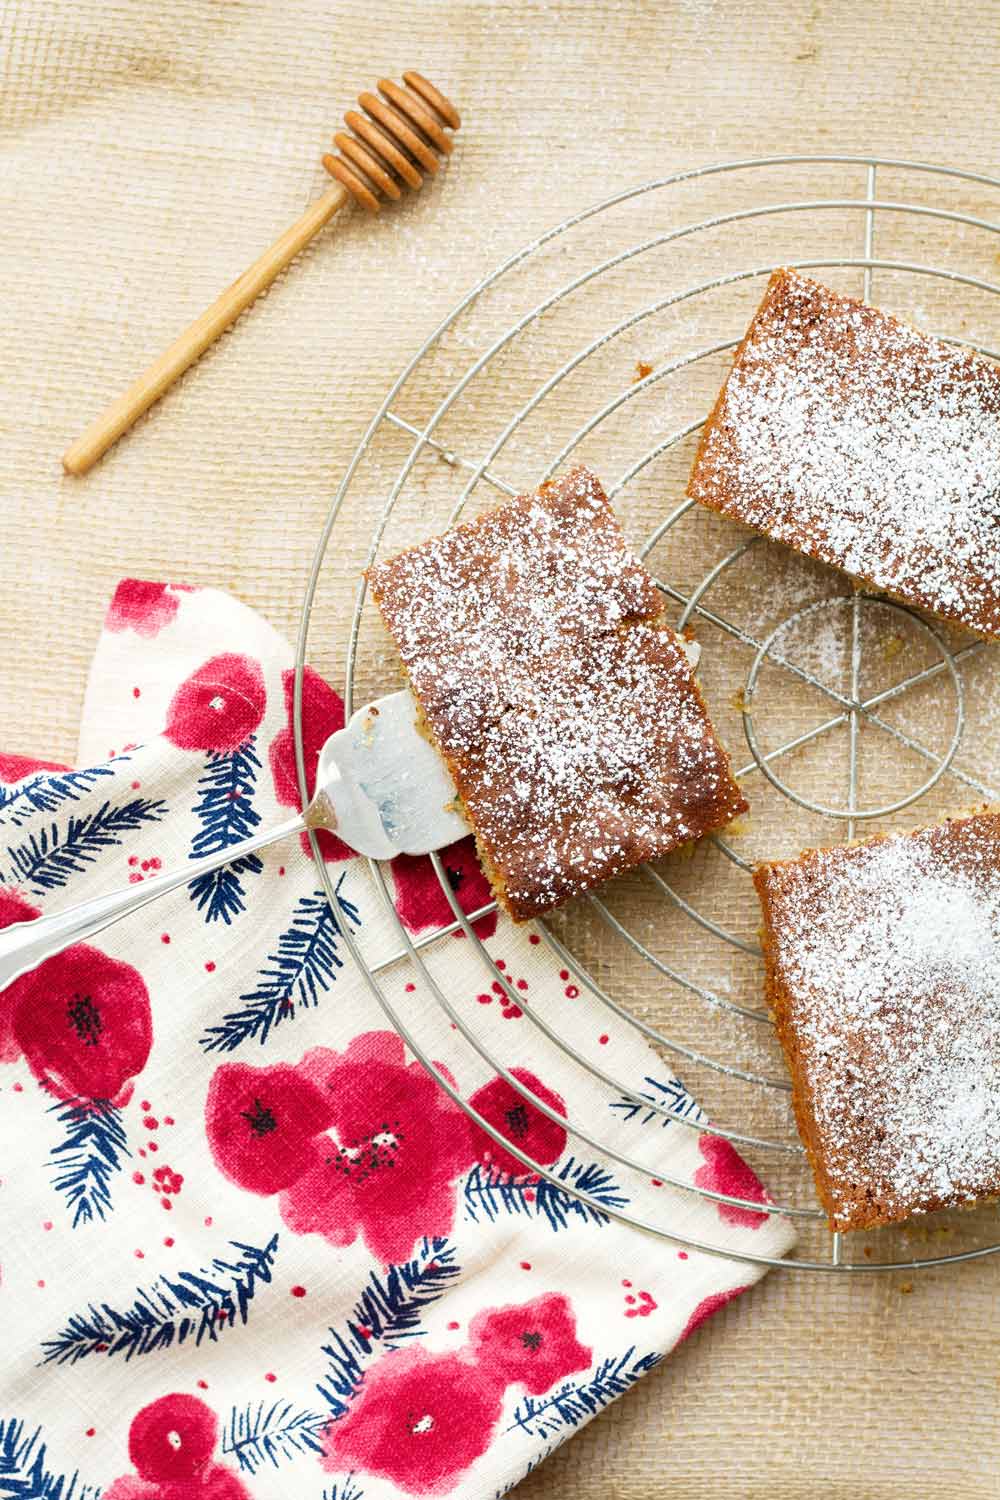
column 437, row 437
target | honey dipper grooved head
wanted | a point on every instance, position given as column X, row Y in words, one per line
column 395, row 142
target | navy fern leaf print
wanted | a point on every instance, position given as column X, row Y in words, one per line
column 347, row 1490
column 191, row 1305
column 668, row 1093
column 48, row 859
column 227, row 816
column 578, row 1400
column 45, row 792
column 488, row 1193
column 294, row 977
column 87, row 1159
column 25, row 1471
column 387, row 1312
column 258, row 1433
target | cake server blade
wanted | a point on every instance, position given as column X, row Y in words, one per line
column 386, row 789
column 381, row 787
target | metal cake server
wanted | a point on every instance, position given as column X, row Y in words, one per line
column 380, row 785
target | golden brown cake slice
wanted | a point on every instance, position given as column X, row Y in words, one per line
column 565, row 707
column 857, row 440
column 883, row 976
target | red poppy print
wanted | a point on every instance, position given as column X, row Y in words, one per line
column 387, row 1170
column 322, row 715
column 219, row 706
column 17, row 767
column 706, row 1307
column 142, row 606
column 420, row 1420
column 725, row 1171
column 82, row 1020
column 421, row 903
column 261, row 1124
column 533, row 1344
column 521, row 1121
column 170, row 1443
column 12, row 909
column 129, row 1487
column 214, row 1483
column 400, row 1144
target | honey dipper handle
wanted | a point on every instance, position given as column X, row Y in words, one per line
column 192, row 343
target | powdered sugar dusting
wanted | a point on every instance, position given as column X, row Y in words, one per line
column 567, row 711
column 887, row 958
column 850, row 436
column 818, row 640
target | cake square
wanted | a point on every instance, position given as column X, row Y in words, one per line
column 851, row 437
column 883, row 977
column 565, row 707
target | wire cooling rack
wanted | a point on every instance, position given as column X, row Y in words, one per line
column 869, row 700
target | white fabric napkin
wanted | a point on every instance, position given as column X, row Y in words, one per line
column 252, row 1249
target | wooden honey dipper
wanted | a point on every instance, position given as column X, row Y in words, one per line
column 394, row 143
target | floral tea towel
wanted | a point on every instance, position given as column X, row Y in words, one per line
column 252, row 1249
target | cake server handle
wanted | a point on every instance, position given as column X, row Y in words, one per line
column 380, row 786
column 24, row 945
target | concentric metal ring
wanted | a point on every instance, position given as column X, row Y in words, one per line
column 855, row 706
